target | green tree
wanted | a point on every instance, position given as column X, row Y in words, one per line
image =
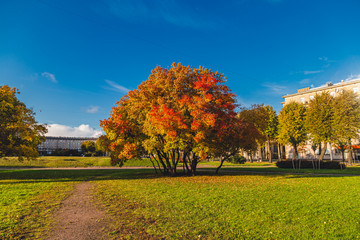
column 20, row 134
column 291, row 125
column 346, row 120
column 265, row 120
column 88, row 148
column 319, row 120
column 100, row 146
column 271, row 130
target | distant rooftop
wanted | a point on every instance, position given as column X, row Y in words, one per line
column 328, row 85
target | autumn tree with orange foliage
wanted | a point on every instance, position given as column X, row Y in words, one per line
column 179, row 115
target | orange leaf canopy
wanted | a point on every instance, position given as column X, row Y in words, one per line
column 182, row 109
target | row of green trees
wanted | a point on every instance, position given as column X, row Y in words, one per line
column 325, row 119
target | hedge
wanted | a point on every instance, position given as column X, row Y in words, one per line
column 310, row 164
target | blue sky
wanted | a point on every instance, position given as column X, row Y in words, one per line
column 72, row 60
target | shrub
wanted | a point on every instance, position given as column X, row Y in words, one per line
column 65, row 152
column 310, row 164
column 238, row 159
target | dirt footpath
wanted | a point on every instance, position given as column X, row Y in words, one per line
column 79, row 218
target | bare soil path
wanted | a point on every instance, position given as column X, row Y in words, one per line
column 79, row 218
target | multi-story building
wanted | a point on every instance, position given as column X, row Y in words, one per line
column 66, row 143
column 304, row 95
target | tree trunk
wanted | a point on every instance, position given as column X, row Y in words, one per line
column 279, row 151
column 218, row 168
column 193, row 166
column 260, row 154
column 269, row 151
column 293, row 156
column 331, row 153
column 296, row 153
column 350, row 155
column 314, row 158
column 153, row 164
column 323, row 151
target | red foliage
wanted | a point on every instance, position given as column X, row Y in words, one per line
column 183, row 108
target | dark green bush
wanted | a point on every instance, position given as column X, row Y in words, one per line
column 238, row 159
column 65, row 152
column 310, row 164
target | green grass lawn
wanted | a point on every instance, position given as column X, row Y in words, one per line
column 227, row 164
column 232, row 205
column 58, row 161
column 29, row 197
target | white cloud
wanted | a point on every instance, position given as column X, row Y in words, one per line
column 92, row 109
column 172, row 12
column 323, row 58
column 312, row 72
column 116, row 87
column 84, row 130
column 274, row 88
column 305, row 81
column 326, row 59
column 243, row 102
column 352, row 76
column 49, row 76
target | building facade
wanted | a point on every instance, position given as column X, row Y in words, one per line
column 65, row 143
column 305, row 95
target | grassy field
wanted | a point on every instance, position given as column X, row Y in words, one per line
column 74, row 161
column 243, row 202
column 233, row 206
column 29, row 197
column 55, row 161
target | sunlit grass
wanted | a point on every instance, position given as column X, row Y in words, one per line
column 234, row 207
column 55, row 161
column 216, row 163
column 28, row 199
column 73, row 161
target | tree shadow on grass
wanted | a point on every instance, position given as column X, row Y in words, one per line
column 306, row 172
column 64, row 175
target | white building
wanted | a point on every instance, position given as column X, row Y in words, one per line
column 304, row 95
column 66, row 143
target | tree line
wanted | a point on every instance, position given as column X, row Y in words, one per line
column 324, row 120
column 183, row 115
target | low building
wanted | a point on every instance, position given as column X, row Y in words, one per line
column 65, row 143
column 304, row 95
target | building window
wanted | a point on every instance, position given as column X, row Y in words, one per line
column 311, row 97
column 355, row 89
column 332, row 94
column 302, row 100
